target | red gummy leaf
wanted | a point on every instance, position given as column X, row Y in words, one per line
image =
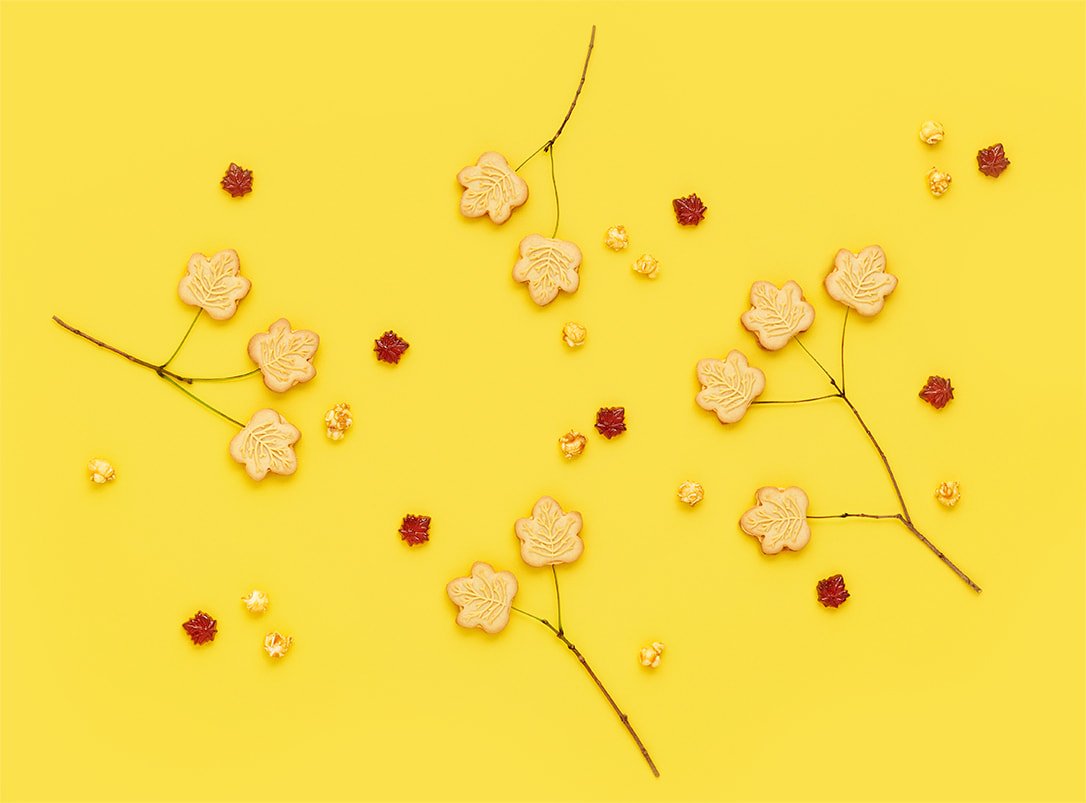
column 831, row 591
column 390, row 347
column 611, row 421
column 937, row 392
column 415, row 530
column 689, row 210
column 237, row 181
column 992, row 161
column 201, row 628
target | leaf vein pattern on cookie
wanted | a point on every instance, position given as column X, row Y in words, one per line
column 550, row 536
column 728, row 386
column 860, row 281
column 485, row 597
column 778, row 520
column 547, row 265
column 214, row 284
column 266, row 444
column 777, row 314
column 284, row 355
column 491, row 187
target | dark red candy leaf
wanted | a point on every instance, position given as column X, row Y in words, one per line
column 237, row 181
column 689, row 210
column 390, row 347
column 611, row 421
column 201, row 628
column 831, row 591
column 937, row 392
column 415, row 530
column 992, row 161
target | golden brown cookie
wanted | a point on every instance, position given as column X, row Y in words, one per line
column 491, row 187
column 777, row 314
column 547, row 266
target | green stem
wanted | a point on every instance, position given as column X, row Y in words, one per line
column 843, row 325
column 797, row 401
column 557, row 206
column 221, row 378
column 186, row 337
column 859, row 516
column 557, row 595
column 198, row 400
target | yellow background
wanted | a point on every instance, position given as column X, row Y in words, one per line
column 796, row 124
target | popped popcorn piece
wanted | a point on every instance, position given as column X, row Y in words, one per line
column 574, row 334
column 938, row 181
column 647, row 265
column 650, row 655
column 617, row 239
column 948, row 494
column 691, row 493
column 931, row 132
column 256, row 601
column 338, row 420
column 101, row 470
column 276, row 644
column 572, row 444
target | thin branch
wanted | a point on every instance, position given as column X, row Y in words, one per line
column 106, row 346
column 622, row 717
column 942, row 557
column 905, row 510
column 577, row 94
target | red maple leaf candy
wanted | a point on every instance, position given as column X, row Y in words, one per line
column 689, row 210
column 201, row 628
column 415, row 530
column 992, row 161
column 238, row 181
column 831, row 591
column 937, row 392
column 611, row 421
column 390, row 347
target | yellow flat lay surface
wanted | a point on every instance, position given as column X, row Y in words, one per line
column 796, row 124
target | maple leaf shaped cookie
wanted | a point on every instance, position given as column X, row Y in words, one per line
column 284, row 355
column 266, row 444
column 485, row 597
column 777, row 314
column 547, row 266
column 778, row 520
column 491, row 187
column 860, row 281
column 550, row 536
column 214, row 284
column 728, row 386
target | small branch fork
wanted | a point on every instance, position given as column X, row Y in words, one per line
column 577, row 94
column 164, row 373
column 548, row 146
column 902, row 517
